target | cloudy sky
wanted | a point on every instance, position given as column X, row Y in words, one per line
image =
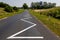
column 19, row 3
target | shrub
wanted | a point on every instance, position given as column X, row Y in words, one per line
column 15, row 8
column 54, row 12
column 8, row 9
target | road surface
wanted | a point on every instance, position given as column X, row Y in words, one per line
column 24, row 27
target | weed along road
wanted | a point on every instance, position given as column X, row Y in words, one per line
column 24, row 27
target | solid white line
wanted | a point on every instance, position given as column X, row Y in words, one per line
column 26, row 38
column 27, row 21
column 27, row 18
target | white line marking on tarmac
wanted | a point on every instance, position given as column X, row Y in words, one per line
column 27, row 37
column 13, row 36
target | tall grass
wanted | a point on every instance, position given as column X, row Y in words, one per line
column 54, row 12
column 4, row 14
column 52, row 23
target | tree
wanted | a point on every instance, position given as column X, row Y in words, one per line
column 50, row 5
column 32, row 5
column 53, row 4
column 35, row 5
column 45, row 5
column 25, row 6
column 3, row 4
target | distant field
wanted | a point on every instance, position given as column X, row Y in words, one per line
column 52, row 23
column 4, row 14
column 38, row 10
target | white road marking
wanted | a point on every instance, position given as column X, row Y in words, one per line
column 33, row 24
column 4, row 18
column 27, row 37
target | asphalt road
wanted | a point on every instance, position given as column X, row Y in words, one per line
column 24, row 27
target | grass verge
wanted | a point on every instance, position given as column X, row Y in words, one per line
column 4, row 14
column 52, row 23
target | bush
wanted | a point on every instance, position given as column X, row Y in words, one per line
column 54, row 12
column 8, row 9
column 15, row 8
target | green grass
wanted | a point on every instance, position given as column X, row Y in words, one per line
column 4, row 14
column 52, row 23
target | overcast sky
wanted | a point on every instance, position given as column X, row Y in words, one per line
column 19, row 3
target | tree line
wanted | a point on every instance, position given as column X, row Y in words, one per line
column 34, row 5
column 7, row 7
column 40, row 5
